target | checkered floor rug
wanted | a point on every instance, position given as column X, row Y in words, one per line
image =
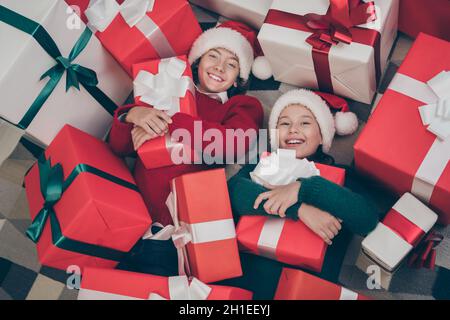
column 22, row 277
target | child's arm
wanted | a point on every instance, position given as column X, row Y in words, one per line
column 245, row 116
column 359, row 214
column 243, row 193
column 120, row 139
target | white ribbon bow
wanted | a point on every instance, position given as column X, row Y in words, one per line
column 282, row 167
column 180, row 289
column 101, row 13
column 164, row 89
column 437, row 115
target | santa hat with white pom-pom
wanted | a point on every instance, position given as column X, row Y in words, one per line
column 239, row 39
column 343, row 122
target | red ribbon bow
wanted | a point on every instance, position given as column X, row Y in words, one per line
column 424, row 255
column 339, row 24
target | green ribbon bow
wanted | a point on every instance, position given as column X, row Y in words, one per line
column 53, row 185
column 76, row 74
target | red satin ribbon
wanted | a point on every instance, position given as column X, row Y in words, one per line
column 403, row 227
column 339, row 24
column 425, row 254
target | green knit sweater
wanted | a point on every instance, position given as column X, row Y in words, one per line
column 358, row 213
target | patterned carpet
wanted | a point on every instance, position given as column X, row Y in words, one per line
column 22, row 277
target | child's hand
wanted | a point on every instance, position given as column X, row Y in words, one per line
column 139, row 136
column 279, row 198
column 153, row 121
column 320, row 222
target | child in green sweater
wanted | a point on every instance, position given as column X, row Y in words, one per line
column 305, row 124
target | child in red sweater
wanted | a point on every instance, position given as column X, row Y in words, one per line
column 221, row 60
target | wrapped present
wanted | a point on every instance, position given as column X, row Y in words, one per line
column 85, row 207
column 279, row 239
column 165, row 85
column 204, row 232
column 249, row 12
column 406, row 142
column 430, row 17
column 137, row 30
column 106, row 284
column 338, row 46
column 299, row 285
column 281, row 168
column 381, row 277
column 65, row 75
column 401, row 230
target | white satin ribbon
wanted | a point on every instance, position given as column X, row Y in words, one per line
column 164, row 89
column 435, row 93
column 269, row 237
column 179, row 289
column 282, row 167
column 101, row 14
column 196, row 233
column 431, row 93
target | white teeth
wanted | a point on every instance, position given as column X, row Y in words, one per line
column 294, row 141
column 214, row 77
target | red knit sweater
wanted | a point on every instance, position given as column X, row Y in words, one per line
column 239, row 112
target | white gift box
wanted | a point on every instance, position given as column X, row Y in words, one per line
column 282, row 167
column 23, row 61
column 387, row 243
column 250, row 12
column 351, row 66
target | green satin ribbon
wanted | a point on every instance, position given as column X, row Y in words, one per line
column 53, row 185
column 75, row 73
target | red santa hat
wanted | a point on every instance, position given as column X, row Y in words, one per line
column 237, row 38
column 343, row 122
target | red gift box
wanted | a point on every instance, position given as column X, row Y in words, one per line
column 166, row 30
column 299, row 285
column 177, row 95
column 99, row 214
column 430, row 17
column 205, row 234
column 395, row 147
column 106, row 284
column 279, row 239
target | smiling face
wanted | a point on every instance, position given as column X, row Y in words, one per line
column 218, row 70
column 299, row 130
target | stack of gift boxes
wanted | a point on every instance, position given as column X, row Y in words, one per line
column 85, row 207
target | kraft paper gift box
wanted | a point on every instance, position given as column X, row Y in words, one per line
column 137, row 30
column 380, row 276
column 399, row 146
column 249, row 12
column 286, row 240
column 401, row 230
column 85, row 207
column 338, row 46
column 81, row 83
column 166, row 85
column 204, row 232
column 104, row 284
column 299, row 285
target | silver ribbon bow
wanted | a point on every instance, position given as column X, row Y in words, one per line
column 101, row 13
column 164, row 89
column 180, row 289
column 436, row 115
